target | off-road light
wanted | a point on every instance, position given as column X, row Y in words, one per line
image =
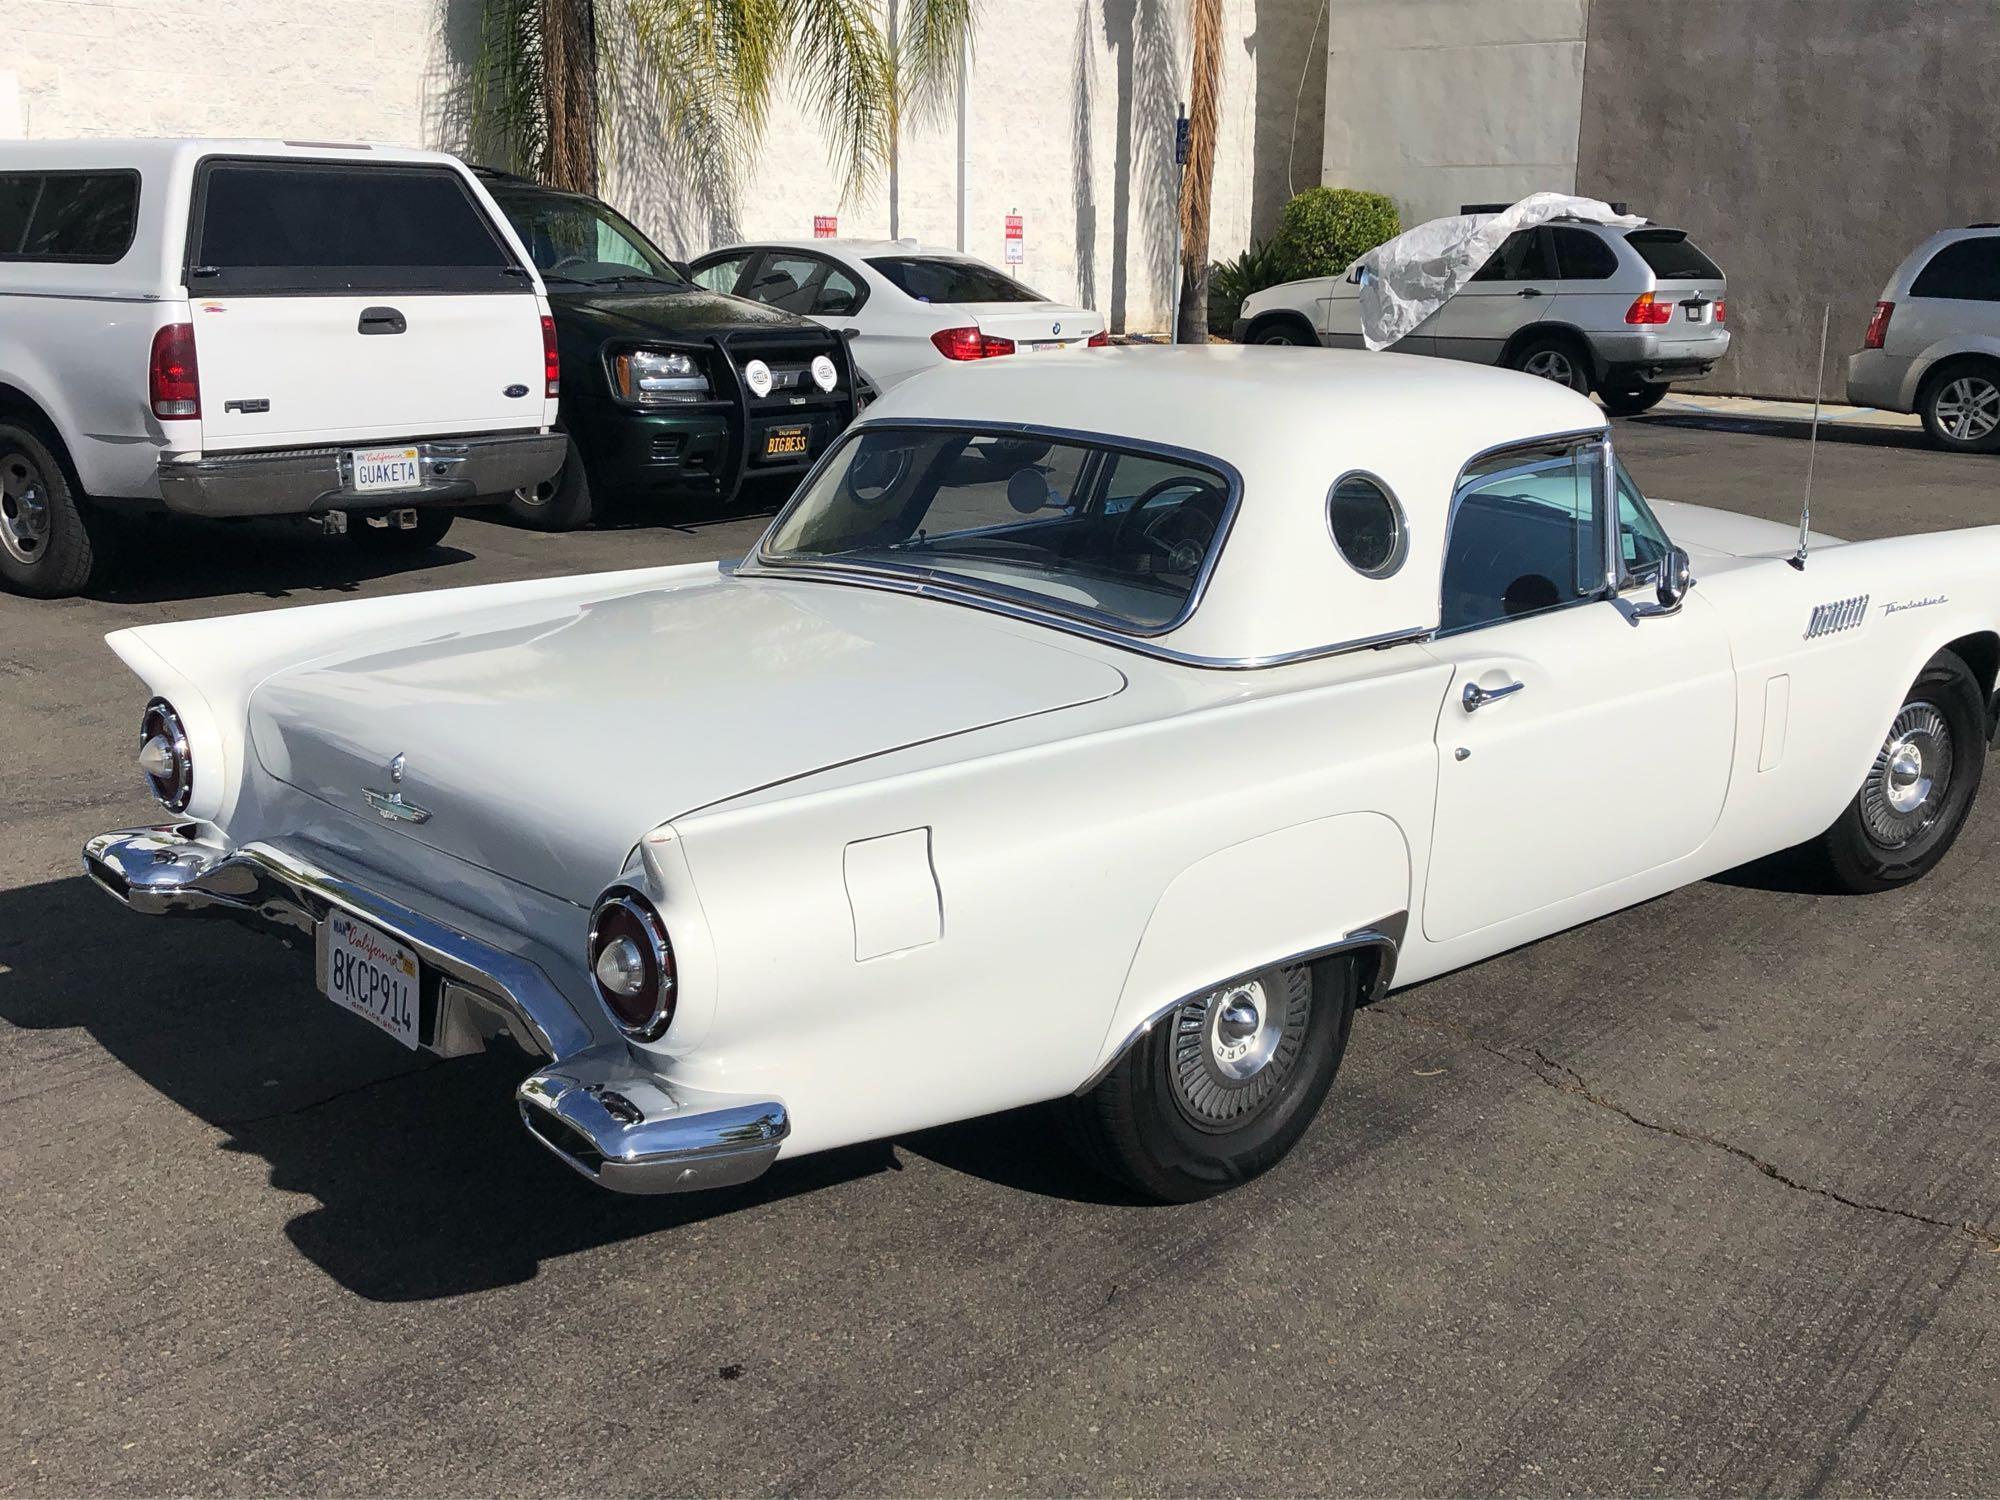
column 757, row 375
column 824, row 374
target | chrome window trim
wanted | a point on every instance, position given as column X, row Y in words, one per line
column 1399, row 552
column 1028, row 603
column 1573, row 441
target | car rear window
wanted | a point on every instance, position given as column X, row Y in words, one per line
column 1070, row 526
column 1672, row 255
column 931, row 278
column 1968, row 270
column 68, row 216
column 286, row 226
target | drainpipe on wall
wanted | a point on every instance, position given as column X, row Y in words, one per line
column 964, row 144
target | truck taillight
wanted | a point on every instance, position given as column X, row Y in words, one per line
column 551, row 367
column 970, row 343
column 1878, row 326
column 1649, row 311
column 173, row 383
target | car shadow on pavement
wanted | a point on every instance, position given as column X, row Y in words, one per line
column 162, row 561
column 423, row 1187
column 1829, row 432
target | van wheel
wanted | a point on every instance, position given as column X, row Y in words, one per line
column 1221, row 1087
column 1919, row 790
column 1556, row 359
column 1960, row 405
column 1631, row 399
column 52, row 543
column 397, row 541
column 561, row 502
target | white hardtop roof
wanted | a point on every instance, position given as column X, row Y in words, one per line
column 161, row 151
column 1290, row 422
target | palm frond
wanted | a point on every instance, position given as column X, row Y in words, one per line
column 507, row 126
column 841, row 67
column 930, row 37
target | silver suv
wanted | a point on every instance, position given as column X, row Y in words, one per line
column 1623, row 312
column 1933, row 345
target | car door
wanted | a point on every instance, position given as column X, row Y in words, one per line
column 1587, row 284
column 1582, row 742
column 1514, row 288
column 1338, row 309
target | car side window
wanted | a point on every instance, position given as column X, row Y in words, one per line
column 1966, row 270
column 839, row 296
column 68, row 216
column 1524, row 537
column 721, row 275
column 1582, row 256
column 787, row 281
column 1521, row 257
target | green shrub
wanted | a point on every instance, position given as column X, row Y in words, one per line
column 1230, row 281
column 1324, row 228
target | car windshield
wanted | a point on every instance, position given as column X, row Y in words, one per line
column 1079, row 527
column 573, row 238
column 938, row 278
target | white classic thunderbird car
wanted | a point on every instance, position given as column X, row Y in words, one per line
column 1101, row 732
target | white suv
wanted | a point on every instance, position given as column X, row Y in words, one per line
column 230, row 328
column 1933, row 345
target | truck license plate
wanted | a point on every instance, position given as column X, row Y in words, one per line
column 371, row 974
column 787, row 442
column 386, row 469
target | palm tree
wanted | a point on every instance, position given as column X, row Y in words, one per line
column 1198, row 176
column 535, row 91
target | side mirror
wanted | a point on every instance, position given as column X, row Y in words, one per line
column 1676, row 578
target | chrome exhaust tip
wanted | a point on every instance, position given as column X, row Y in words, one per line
column 629, row 1130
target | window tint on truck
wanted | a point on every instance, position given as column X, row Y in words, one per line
column 1672, row 255
column 73, row 216
column 290, row 226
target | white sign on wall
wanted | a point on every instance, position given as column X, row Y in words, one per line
column 1016, row 246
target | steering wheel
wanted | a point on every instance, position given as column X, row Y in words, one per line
column 1181, row 533
column 568, row 260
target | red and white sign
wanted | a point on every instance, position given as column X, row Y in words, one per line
column 825, row 226
column 1016, row 246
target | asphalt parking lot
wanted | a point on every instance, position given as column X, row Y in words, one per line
column 1704, row 1196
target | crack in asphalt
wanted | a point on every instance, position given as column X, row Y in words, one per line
column 1566, row 1080
column 325, row 1099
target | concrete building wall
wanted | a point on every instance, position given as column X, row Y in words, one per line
column 1072, row 107
column 1807, row 144
column 1440, row 103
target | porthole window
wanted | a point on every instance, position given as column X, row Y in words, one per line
column 1367, row 525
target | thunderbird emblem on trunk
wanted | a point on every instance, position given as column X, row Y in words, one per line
column 390, row 806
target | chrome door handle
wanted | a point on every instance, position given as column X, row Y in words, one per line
column 1476, row 697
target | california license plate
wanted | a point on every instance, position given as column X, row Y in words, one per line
column 386, row 469
column 371, row 974
column 787, row 442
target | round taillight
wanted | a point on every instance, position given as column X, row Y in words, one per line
column 632, row 964
column 163, row 756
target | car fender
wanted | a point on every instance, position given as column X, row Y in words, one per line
column 1307, row 890
column 1937, row 353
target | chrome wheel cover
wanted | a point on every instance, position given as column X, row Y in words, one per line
column 1968, row 408
column 24, row 508
column 1906, row 786
column 1550, row 364
column 1234, row 1048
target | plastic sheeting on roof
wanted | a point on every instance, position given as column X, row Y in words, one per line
column 1405, row 280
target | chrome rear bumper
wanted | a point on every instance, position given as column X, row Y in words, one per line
column 598, row 1105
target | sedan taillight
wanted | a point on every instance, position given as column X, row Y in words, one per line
column 632, row 964
column 1098, row 340
column 164, row 757
column 173, row 382
column 970, row 343
column 1878, row 326
column 1649, row 311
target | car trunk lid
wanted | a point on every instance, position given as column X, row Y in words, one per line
column 541, row 741
column 1684, row 276
column 1035, row 326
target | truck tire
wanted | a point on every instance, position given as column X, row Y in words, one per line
column 561, row 502
column 53, row 543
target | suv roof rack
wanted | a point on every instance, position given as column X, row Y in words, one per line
column 1501, row 208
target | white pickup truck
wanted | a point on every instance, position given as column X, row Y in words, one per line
column 257, row 328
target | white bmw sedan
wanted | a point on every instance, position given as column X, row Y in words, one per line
column 910, row 309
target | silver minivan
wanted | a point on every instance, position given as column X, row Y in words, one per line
column 1933, row 343
column 1623, row 312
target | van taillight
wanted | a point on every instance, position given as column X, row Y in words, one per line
column 173, row 383
column 1878, row 326
column 1648, row 310
column 551, row 367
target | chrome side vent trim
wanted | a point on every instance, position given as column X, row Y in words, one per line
column 1841, row 614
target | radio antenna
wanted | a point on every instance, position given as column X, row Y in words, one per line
column 1798, row 558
